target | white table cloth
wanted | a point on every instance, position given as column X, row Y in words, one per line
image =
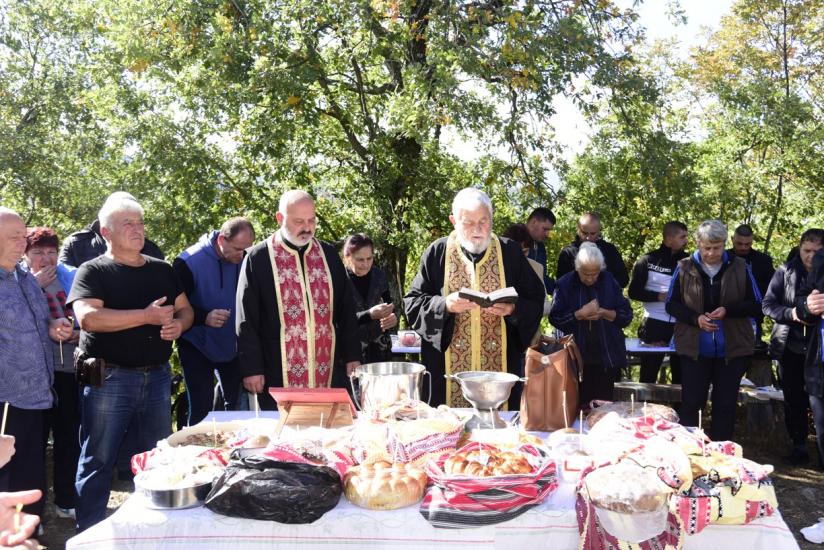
column 551, row 525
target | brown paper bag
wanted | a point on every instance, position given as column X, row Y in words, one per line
column 552, row 367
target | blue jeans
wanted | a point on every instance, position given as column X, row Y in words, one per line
column 137, row 400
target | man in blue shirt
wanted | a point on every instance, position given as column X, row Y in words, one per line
column 539, row 223
column 26, row 361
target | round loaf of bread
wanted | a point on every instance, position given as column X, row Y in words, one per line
column 487, row 463
column 626, row 488
column 384, row 486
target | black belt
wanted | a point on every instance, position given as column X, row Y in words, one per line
column 141, row 368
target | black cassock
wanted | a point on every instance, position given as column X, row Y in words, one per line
column 425, row 307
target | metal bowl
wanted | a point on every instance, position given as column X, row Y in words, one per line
column 173, row 499
column 486, row 390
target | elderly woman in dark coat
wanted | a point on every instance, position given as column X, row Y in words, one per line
column 589, row 303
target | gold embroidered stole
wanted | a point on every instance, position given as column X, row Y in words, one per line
column 307, row 335
column 479, row 339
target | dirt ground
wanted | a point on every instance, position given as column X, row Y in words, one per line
column 800, row 492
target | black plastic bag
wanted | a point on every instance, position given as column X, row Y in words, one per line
column 287, row 492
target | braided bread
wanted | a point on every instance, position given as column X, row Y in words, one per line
column 384, row 486
column 486, row 464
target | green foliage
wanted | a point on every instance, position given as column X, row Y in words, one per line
column 208, row 109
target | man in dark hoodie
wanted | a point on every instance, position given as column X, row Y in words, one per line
column 760, row 264
column 209, row 271
column 589, row 230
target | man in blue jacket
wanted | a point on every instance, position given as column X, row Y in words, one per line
column 209, row 271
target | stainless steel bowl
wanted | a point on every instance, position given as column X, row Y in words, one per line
column 486, row 390
column 173, row 499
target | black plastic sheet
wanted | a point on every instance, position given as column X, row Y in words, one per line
column 256, row 487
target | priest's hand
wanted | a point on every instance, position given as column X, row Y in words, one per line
column 351, row 366
column 501, row 310
column 456, row 304
column 389, row 321
column 254, row 384
column 381, row 311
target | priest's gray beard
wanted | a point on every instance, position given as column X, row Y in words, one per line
column 298, row 240
column 474, row 247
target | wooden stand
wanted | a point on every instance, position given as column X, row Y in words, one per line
column 306, row 415
column 304, row 408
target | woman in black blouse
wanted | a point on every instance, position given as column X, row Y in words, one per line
column 376, row 312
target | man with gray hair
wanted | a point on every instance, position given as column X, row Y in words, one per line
column 88, row 243
column 130, row 308
column 26, row 361
column 590, row 304
column 458, row 335
column 295, row 308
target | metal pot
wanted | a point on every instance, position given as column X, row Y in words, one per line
column 388, row 382
column 167, row 499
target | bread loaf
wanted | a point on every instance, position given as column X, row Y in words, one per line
column 487, row 463
column 384, row 486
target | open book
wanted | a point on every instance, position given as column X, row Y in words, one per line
column 506, row 295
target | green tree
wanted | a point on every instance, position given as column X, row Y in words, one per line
column 208, row 108
column 761, row 161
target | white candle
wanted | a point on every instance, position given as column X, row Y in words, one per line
column 5, row 414
column 566, row 420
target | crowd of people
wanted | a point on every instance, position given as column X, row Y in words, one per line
column 87, row 330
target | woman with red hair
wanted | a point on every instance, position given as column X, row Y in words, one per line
column 63, row 420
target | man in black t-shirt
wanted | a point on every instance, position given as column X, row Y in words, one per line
column 130, row 308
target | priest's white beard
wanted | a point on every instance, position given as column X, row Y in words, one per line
column 474, row 247
column 297, row 240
